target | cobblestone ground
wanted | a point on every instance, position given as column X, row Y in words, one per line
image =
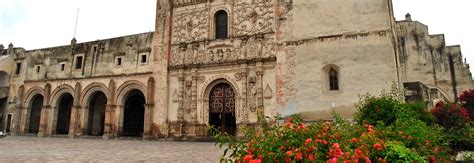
column 34, row 149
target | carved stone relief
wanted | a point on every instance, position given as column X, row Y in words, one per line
column 254, row 17
column 187, row 97
column 175, row 96
column 190, row 26
column 252, row 94
column 201, row 53
column 268, row 93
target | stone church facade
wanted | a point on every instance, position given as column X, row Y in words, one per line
column 221, row 63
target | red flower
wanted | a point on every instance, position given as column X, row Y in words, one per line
column 256, row 161
column 309, row 140
column 301, row 126
column 298, row 156
column 289, row 153
column 248, row 158
column 333, row 160
column 354, row 140
column 310, row 157
column 367, row 160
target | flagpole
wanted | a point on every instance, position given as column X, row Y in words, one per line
column 75, row 27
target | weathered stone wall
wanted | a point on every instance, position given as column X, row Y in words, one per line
column 353, row 37
column 7, row 64
column 425, row 58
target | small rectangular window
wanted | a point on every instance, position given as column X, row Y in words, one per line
column 144, row 58
column 79, row 62
column 18, row 68
column 62, row 66
column 38, row 69
column 119, row 61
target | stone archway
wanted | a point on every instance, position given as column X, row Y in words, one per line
column 94, row 100
column 34, row 113
column 63, row 115
column 222, row 102
column 134, row 114
column 62, row 99
column 95, row 117
column 133, row 92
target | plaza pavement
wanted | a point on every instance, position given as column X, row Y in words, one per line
column 50, row 149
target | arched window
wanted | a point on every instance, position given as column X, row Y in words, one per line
column 333, row 80
column 221, row 24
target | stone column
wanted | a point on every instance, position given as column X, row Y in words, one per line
column 51, row 125
column 20, row 126
column 259, row 86
column 83, row 121
column 148, row 121
column 109, row 127
column 244, row 77
column 194, row 99
column 180, row 99
column 43, row 128
column 118, row 119
column 75, row 122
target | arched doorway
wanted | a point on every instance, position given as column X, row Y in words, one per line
column 4, row 79
column 64, row 114
column 96, row 115
column 35, row 114
column 134, row 114
column 222, row 108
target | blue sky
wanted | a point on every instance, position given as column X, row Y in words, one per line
column 34, row 24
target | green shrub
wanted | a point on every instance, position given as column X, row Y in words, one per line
column 396, row 151
column 386, row 109
column 372, row 110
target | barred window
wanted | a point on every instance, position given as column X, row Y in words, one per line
column 221, row 24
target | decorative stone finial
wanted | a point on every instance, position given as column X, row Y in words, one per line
column 408, row 17
column 73, row 41
column 1, row 47
column 10, row 46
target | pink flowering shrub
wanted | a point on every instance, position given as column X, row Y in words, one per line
column 451, row 116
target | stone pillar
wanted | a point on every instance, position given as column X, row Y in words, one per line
column 77, row 117
column 244, row 77
column 194, row 99
column 181, row 99
column 259, row 86
column 51, row 125
column 43, row 128
column 20, row 126
column 148, row 121
column 110, row 130
column 83, row 121
column 118, row 119
column 75, row 122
